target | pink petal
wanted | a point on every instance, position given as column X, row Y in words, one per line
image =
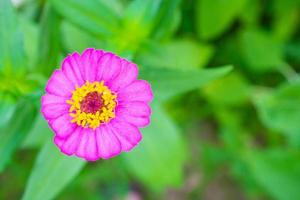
column 139, row 90
column 108, row 144
column 112, row 68
column 136, row 113
column 58, row 141
column 89, row 59
column 71, row 69
column 62, row 125
column 59, row 85
column 87, row 148
column 71, row 143
column 53, row 111
column 128, row 134
column 127, row 75
column 53, row 99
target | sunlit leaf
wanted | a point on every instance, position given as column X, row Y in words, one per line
column 183, row 54
column 13, row 133
column 93, row 16
column 215, row 17
column 277, row 171
column 168, row 82
column 159, row 158
column 280, row 110
column 12, row 57
column 51, row 173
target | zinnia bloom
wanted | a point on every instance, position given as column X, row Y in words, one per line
column 95, row 105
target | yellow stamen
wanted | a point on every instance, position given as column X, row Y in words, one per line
column 106, row 111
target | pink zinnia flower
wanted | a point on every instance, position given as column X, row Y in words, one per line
column 95, row 105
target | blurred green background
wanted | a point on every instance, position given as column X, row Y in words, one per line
column 226, row 112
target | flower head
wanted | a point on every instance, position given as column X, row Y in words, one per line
column 95, row 105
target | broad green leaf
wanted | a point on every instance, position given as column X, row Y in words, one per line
column 285, row 18
column 93, row 16
column 31, row 32
column 261, row 51
column 215, row 17
column 12, row 59
column 13, row 133
column 7, row 108
column 49, row 41
column 280, row 110
column 51, row 173
column 158, row 160
column 232, row 90
column 183, row 54
column 167, row 82
column 167, row 19
column 141, row 18
column 72, row 33
column 277, row 171
column 38, row 134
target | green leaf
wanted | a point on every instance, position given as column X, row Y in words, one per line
column 13, row 133
column 49, row 41
column 51, row 173
column 277, row 171
column 230, row 90
column 261, row 51
column 7, row 108
column 38, row 134
column 158, row 160
column 93, row 16
column 72, row 33
column 167, row 83
column 180, row 54
column 215, row 17
column 12, row 57
column 280, row 110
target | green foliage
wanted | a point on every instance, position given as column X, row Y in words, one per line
column 12, row 134
column 215, row 17
column 278, row 171
column 51, row 173
column 280, row 110
column 233, row 128
column 159, row 158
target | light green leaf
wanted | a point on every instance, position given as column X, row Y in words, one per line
column 49, row 41
column 215, row 17
column 183, row 54
column 277, row 171
column 261, row 51
column 232, row 89
column 83, row 40
column 167, row 83
column 93, row 15
column 280, row 110
column 13, row 133
column 7, row 108
column 158, row 160
column 12, row 57
column 38, row 134
column 51, row 173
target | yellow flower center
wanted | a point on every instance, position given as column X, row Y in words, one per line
column 92, row 104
